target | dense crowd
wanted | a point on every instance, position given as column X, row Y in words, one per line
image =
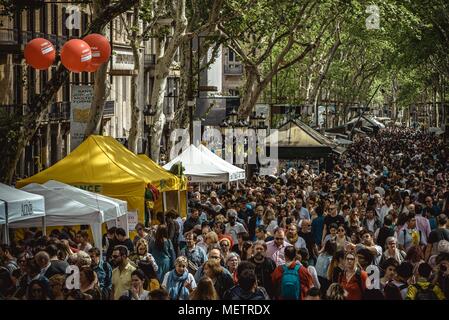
column 373, row 228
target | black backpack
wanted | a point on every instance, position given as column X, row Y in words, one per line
column 425, row 294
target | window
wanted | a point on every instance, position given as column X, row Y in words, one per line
column 31, row 21
column 43, row 79
column 54, row 19
column 124, row 88
column 65, row 15
column 232, row 56
column 43, row 19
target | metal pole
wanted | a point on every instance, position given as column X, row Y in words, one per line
column 190, row 91
column 164, row 201
column 363, row 110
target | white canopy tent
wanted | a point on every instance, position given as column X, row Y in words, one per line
column 112, row 208
column 17, row 205
column 199, row 167
column 61, row 210
column 235, row 173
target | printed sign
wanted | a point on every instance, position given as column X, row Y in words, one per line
column 81, row 100
column 27, row 209
column 132, row 220
column 97, row 188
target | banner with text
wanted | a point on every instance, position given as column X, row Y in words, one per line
column 81, row 100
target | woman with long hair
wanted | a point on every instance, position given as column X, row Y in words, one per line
column 222, row 280
column 89, row 283
column 205, row 290
column 163, row 252
column 322, row 264
column 146, row 262
column 247, row 250
column 415, row 256
column 353, row 279
column 137, row 291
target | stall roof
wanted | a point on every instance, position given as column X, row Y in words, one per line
column 19, row 205
column 199, row 167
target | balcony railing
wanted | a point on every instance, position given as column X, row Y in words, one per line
column 233, row 69
column 109, row 109
column 149, row 60
column 8, row 36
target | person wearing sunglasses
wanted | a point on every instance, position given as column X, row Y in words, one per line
column 141, row 233
column 332, row 217
column 121, row 275
column 275, row 248
column 353, row 279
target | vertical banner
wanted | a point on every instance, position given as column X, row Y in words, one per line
column 80, row 102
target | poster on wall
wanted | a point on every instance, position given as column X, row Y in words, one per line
column 81, row 100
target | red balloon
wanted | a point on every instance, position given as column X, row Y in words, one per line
column 100, row 46
column 92, row 67
column 40, row 53
column 76, row 55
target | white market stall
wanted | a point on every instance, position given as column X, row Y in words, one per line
column 235, row 173
column 199, row 167
column 17, row 205
column 63, row 210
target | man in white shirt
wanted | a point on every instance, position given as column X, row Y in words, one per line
column 385, row 209
column 275, row 248
column 233, row 227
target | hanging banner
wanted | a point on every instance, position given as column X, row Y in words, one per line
column 132, row 220
column 80, row 102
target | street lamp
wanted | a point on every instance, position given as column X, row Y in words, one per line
column 233, row 115
column 149, row 116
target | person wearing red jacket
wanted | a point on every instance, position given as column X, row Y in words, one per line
column 305, row 278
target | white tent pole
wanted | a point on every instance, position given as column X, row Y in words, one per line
column 96, row 232
column 44, row 226
column 6, row 224
column 164, row 201
column 126, row 224
column 179, row 202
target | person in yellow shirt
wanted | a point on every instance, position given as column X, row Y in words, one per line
column 121, row 275
column 423, row 289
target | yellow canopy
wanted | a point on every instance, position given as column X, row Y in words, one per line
column 101, row 164
column 160, row 171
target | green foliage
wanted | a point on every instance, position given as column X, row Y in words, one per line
column 9, row 138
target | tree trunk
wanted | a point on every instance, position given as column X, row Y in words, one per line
column 100, row 88
column 161, row 72
column 157, row 99
column 39, row 103
column 6, row 78
column 134, row 131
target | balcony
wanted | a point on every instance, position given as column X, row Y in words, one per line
column 149, row 60
column 109, row 109
column 9, row 41
column 60, row 111
column 233, row 69
column 8, row 36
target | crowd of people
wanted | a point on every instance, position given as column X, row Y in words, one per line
column 376, row 227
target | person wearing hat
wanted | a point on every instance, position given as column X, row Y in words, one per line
column 233, row 227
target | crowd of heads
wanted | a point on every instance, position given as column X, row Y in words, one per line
column 375, row 227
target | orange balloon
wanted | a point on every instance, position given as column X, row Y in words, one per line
column 92, row 67
column 76, row 55
column 40, row 53
column 100, row 46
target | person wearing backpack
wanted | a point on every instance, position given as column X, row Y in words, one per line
column 291, row 280
column 423, row 289
column 353, row 279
